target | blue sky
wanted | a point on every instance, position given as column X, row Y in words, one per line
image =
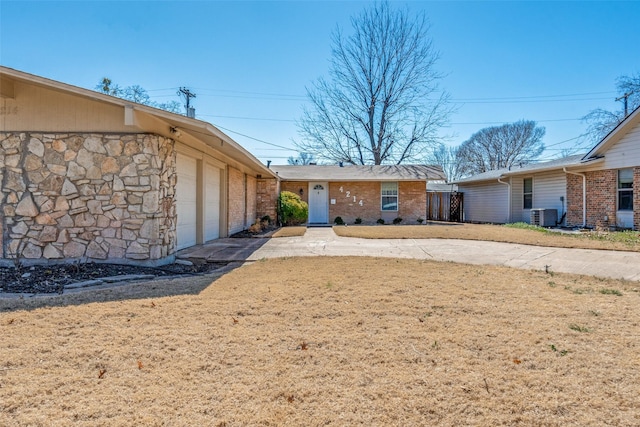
column 249, row 62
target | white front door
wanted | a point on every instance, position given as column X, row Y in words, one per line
column 318, row 203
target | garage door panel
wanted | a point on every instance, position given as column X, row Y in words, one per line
column 186, row 196
column 212, row 203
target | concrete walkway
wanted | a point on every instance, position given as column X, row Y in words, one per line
column 324, row 242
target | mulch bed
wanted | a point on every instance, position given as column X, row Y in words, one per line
column 49, row 279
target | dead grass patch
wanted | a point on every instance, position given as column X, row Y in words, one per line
column 290, row 232
column 495, row 233
column 315, row 341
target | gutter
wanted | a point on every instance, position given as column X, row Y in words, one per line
column 508, row 198
column 584, row 195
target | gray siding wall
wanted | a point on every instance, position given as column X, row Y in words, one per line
column 518, row 214
column 548, row 187
column 485, row 202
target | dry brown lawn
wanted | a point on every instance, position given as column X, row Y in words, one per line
column 290, row 231
column 328, row 341
column 495, row 233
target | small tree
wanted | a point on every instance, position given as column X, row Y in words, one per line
column 293, row 210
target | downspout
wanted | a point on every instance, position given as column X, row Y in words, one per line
column 584, row 195
column 508, row 199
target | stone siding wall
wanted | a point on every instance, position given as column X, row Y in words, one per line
column 87, row 196
column 267, row 198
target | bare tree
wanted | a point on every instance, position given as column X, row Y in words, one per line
column 135, row 93
column 381, row 103
column 502, row 146
column 600, row 122
column 302, row 159
column 447, row 157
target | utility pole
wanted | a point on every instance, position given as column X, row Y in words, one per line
column 188, row 95
column 626, row 102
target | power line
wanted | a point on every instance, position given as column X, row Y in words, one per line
column 503, row 122
column 526, row 101
column 246, row 118
column 255, row 139
column 536, row 96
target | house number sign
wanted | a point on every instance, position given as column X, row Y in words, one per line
column 348, row 196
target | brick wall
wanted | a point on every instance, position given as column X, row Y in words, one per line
column 266, row 198
column 295, row 187
column 237, row 200
column 251, row 193
column 361, row 199
column 348, row 200
column 574, row 200
column 601, row 198
column 412, row 201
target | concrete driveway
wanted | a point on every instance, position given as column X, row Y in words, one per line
column 324, row 242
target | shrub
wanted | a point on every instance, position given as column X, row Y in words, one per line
column 293, row 209
column 255, row 228
column 338, row 221
column 266, row 219
column 358, row 220
column 420, row 220
column 397, row 220
column 380, row 221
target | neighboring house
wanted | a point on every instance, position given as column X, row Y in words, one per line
column 94, row 177
column 366, row 192
column 608, row 180
column 596, row 190
column 508, row 195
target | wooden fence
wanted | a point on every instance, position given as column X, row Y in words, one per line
column 444, row 206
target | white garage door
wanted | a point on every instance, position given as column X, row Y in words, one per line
column 212, row 203
column 186, row 200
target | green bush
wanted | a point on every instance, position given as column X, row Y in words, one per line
column 380, row 221
column 266, row 219
column 338, row 221
column 358, row 220
column 420, row 220
column 293, row 209
column 397, row 220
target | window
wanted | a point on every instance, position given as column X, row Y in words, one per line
column 625, row 190
column 527, row 198
column 389, row 192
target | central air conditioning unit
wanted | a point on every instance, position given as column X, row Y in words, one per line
column 544, row 217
